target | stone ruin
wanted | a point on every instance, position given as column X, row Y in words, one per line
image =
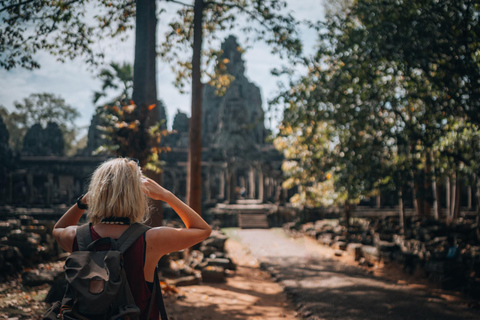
column 237, row 165
column 448, row 255
column 41, row 141
column 233, row 122
column 25, row 242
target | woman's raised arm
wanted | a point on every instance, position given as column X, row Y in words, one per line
column 163, row 240
column 65, row 229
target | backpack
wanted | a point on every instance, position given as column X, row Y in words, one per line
column 97, row 286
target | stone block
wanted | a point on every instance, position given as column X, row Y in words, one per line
column 186, row 281
column 370, row 253
column 217, row 242
column 5, row 228
column 225, row 263
column 208, row 250
column 38, row 278
column 340, row 245
column 213, row 274
column 170, row 273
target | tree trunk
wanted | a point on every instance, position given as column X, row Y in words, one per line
column 434, row 190
column 145, row 84
column 453, row 186
column 477, row 194
column 469, row 191
column 144, row 68
column 458, row 193
column 448, row 198
column 427, row 186
column 194, row 173
column 401, row 212
column 348, row 212
column 436, row 214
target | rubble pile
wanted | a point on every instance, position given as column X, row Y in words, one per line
column 208, row 263
column 25, row 242
column 446, row 254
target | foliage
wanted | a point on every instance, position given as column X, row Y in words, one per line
column 40, row 108
column 308, row 164
column 117, row 76
column 398, row 82
column 262, row 19
column 64, row 28
column 128, row 135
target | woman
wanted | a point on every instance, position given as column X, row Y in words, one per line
column 118, row 196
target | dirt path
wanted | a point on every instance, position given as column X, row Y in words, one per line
column 326, row 288
column 249, row 294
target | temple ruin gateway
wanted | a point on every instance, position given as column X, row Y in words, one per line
column 237, row 162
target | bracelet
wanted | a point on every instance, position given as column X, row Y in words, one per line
column 81, row 205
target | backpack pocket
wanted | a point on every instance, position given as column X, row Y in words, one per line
column 95, row 278
column 129, row 312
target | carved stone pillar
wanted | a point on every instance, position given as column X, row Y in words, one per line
column 50, row 188
column 251, row 183
column 221, row 194
column 231, row 185
column 261, row 186
column 10, row 187
column 174, row 181
column 30, row 188
column 208, row 183
column 242, row 182
column 268, row 187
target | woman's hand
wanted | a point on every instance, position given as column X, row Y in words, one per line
column 84, row 199
column 154, row 190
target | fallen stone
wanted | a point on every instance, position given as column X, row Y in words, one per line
column 208, row 250
column 217, row 242
column 38, row 278
column 217, row 254
column 177, row 255
column 185, row 281
column 213, row 274
column 225, row 263
column 355, row 249
column 5, row 228
column 338, row 253
column 340, row 245
column 170, row 273
column 187, row 270
column 370, row 253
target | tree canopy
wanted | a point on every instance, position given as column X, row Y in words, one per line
column 396, row 81
column 40, row 109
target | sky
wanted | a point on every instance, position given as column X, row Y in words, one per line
column 75, row 82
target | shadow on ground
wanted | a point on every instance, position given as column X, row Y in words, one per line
column 326, row 289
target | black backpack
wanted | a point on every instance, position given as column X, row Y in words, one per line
column 97, row 286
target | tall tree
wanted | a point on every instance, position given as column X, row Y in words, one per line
column 392, row 78
column 194, row 171
column 190, row 30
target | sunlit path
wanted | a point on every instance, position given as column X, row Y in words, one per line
column 328, row 289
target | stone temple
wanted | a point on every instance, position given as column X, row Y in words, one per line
column 237, row 162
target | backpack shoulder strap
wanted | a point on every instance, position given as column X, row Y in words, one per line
column 130, row 236
column 84, row 236
column 157, row 295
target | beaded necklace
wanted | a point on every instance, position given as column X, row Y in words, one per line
column 116, row 220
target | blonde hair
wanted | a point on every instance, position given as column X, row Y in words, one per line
column 115, row 190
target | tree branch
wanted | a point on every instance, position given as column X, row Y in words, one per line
column 233, row 5
column 16, row 5
column 181, row 3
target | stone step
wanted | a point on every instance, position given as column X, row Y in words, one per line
column 252, row 221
